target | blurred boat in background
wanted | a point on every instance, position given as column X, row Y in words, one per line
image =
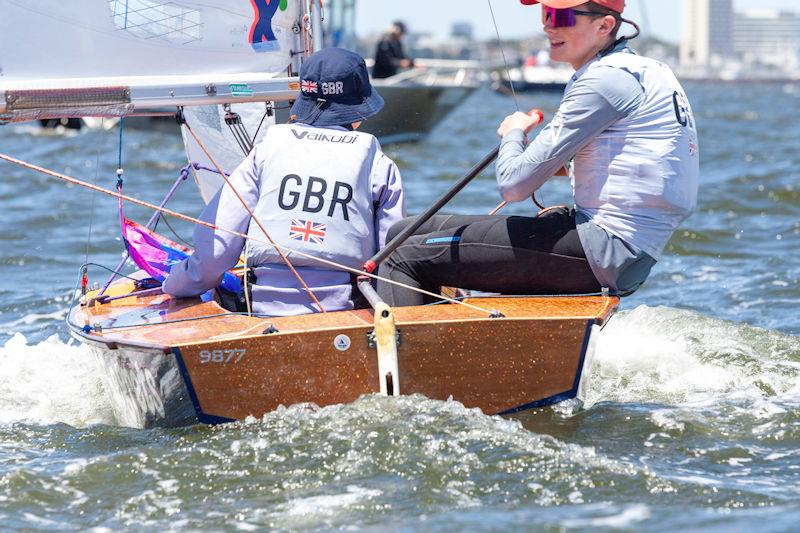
column 532, row 78
column 419, row 98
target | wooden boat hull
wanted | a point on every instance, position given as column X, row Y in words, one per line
column 226, row 367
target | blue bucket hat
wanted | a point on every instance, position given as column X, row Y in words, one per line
column 335, row 89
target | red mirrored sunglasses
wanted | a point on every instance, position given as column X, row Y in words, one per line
column 565, row 18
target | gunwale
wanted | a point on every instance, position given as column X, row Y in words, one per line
column 207, row 321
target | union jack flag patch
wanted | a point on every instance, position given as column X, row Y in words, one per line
column 308, row 86
column 307, row 231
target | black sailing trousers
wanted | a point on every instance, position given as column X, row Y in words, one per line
column 505, row 254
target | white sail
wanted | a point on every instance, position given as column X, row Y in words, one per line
column 208, row 122
column 109, row 57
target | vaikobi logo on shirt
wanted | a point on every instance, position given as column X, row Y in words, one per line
column 325, row 137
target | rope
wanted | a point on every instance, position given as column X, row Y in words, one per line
column 209, row 225
column 516, row 102
column 119, row 152
column 175, row 233
column 198, row 166
column 190, row 319
column 542, row 208
column 156, row 217
column 503, row 53
column 82, row 275
column 253, row 217
column 267, row 113
column 120, row 172
column 304, row 31
column 498, row 208
column 91, row 207
column 237, row 129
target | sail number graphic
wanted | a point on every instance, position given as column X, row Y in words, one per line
column 681, row 108
column 262, row 37
column 222, row 356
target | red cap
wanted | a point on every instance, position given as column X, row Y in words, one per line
column 616, row 5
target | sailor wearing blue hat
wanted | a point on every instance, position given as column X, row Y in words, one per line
column 335, row 90
column 316, row 185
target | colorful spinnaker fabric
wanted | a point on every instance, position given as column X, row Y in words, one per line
column 156, row 254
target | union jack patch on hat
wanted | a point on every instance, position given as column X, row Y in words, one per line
column 308, row 86
column 335, row 90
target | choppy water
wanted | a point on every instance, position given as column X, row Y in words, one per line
column 690, row 416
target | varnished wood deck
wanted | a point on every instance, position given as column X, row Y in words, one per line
column 163, row 321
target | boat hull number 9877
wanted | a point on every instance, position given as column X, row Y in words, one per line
column 222, row 356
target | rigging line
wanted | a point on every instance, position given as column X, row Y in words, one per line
column 119, row 152
column 91, row 206
column 193, row 319
column 237, row 129
column 120, row 171
column 255, row 219
column 85, row 268
column 109, row 269
column 503, row 53
column 255, row 135
column 175, row 233
column 516, row 102
column 645, row 18
column 209, row 225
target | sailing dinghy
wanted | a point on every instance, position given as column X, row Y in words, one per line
column 171, row 362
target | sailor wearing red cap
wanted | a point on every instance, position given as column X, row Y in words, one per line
column 628, row 129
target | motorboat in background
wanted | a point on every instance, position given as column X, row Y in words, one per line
column 413, row 111
column 418, row 99
column 532, row 78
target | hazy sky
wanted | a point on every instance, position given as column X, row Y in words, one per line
column 516, row 20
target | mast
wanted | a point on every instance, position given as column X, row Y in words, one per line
column 316, row 25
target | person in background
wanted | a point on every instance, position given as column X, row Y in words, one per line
column 389, row 54
column 628, row 129
column 317, row 186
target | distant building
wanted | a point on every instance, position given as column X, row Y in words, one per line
column 463, row 30
column 769, row 37
column 708, row 32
